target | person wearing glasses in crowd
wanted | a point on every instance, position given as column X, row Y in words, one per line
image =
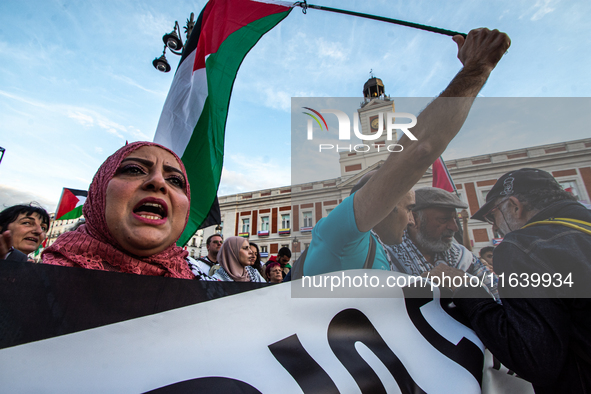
column 542, row 330
column 209, row 264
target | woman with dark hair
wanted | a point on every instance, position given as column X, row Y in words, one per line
column 234, row 259
column 27, row 227
column 136, row 210
column 256, row 258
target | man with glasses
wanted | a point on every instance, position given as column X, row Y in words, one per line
column 213, row 244
column 542, row 330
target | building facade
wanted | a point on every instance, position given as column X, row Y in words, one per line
column 285, row 216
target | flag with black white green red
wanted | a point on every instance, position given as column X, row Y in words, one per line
column 193, row 119
column 70, row 204
column 41, row 247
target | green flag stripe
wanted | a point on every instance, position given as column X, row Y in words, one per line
column 73, row 214
column 205, row 151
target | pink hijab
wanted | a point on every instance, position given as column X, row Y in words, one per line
column 228, row 259
column 92, row 246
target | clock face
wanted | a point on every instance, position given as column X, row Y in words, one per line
column 375, row 123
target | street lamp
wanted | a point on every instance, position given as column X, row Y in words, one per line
column 172, row 39
column 174, row 43
column 295, row 249
column 161, row 63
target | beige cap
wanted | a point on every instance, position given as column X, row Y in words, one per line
column 427, row 197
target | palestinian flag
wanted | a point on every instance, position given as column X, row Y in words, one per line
column 441, row 177
column 70, row 205
column 41, row 247
column 193, row 119
column 442, row 180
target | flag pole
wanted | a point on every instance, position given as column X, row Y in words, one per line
column 304, row 5
column 453, row 184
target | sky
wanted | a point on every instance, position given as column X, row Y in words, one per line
column 77, row 81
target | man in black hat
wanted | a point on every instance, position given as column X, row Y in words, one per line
column 542, row 330
column 428, row 241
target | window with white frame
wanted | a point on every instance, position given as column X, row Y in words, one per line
column 307, row 219
column 245, row 225
column 571, row 186
column 264, row 223
column 285, row 220
column 496, row 234
column 461, row 195
column 328, row 210
column 264, row 249
column 483, row 194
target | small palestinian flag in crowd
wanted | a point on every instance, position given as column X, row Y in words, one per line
column 40, row 248
column 441, row 177
column 70, row 205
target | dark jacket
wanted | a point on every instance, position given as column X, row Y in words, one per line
column 546, row 341
column 17, row 255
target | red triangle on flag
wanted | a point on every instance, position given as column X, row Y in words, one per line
column 69, row 200
column 441, row 178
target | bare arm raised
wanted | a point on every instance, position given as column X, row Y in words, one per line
column 436, row 126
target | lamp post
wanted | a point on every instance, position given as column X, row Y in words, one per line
column 295, row 242
column 174, row 43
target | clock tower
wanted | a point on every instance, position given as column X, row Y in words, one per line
column 372, row 150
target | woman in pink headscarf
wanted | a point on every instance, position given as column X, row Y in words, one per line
column 235, row 261
column 136, row 210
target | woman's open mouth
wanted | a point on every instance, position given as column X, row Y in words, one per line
column 151, row 209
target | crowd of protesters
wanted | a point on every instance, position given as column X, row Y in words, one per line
column 138, row 206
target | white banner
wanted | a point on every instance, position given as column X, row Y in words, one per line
column 267, row 340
